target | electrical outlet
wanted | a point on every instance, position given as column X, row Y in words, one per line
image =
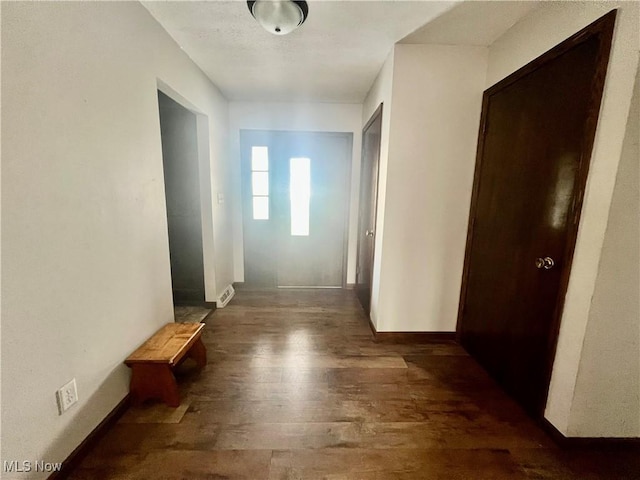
column 67, row 396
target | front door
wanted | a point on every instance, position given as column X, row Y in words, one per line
column 371, row 136
column 536, row 138
column 295, row 202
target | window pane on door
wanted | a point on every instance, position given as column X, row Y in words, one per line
column 300, row 195
column 260, row 158
column 260, row 183
column 261, row 208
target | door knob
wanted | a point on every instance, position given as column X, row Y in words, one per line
column 547, row 263
column 369, row 233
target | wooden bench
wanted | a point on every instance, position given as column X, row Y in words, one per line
column 153, row 362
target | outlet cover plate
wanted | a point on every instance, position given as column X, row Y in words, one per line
column 67, row 396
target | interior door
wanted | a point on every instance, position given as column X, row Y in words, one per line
column 300, row 238
column 371, row 136
column 536, row 138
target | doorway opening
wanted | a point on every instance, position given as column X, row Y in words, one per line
column 181, row 167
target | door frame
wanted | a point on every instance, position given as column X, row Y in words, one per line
column 248, row 132
column 206, row 196
column 602, row 27
column 374, row 195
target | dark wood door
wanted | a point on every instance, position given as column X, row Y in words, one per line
column 371, row 136
column 301, row 239
column 537, row 133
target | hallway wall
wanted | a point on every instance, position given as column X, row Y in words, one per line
column 425, row 183
column 85, row 260
column 607, row 395
column 309, row 117
column 380, row 93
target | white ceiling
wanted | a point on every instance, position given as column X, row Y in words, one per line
column 473, row 23
column 334, row 56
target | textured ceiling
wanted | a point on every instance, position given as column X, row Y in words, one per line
column 473, row 23
column 335, row 55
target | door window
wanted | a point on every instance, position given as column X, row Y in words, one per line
column 260, row 182
column 300, row 195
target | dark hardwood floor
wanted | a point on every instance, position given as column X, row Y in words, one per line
column 295, row 388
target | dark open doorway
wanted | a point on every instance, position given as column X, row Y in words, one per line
column 178, row 128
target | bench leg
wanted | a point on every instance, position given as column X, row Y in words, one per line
column 199, row 353
column 150, row 380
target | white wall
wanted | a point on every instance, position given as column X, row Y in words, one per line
column 305, row 117
column 380, row 92
column 85, row 260
column 437, row 97
column 1, row 250
column 538, row 32
column 607, row 394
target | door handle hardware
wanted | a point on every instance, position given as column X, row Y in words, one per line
column 547, row 263
column 369, row 233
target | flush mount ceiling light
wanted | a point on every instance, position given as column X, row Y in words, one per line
column 279, row 16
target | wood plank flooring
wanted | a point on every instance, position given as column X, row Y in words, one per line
column 296, row 388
